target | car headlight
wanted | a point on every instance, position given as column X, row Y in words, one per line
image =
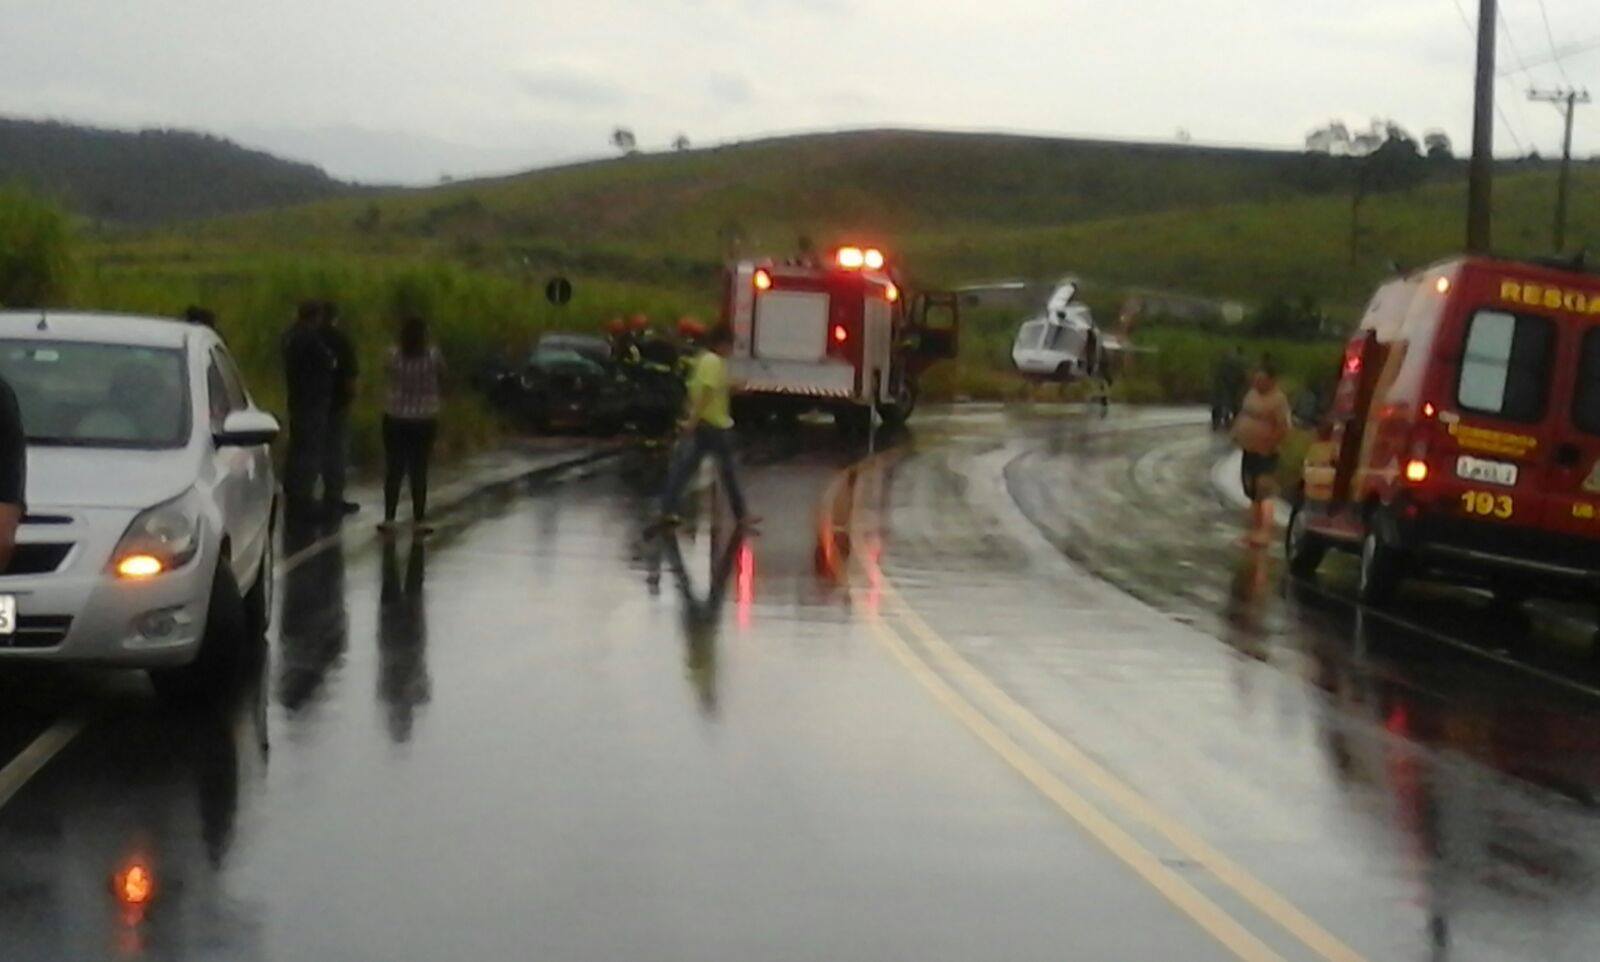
column 160, row 539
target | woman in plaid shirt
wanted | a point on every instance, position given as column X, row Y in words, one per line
column 410, row 420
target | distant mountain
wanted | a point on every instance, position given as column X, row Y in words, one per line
column 152, row 176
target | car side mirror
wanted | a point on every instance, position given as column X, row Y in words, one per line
column 246, row 429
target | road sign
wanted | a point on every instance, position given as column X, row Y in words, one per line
column 558, row 291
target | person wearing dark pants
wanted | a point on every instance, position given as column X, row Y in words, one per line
column 336, row 444
column 407, row 448
column 415, row 370
column 308, row 370
column 708, row 430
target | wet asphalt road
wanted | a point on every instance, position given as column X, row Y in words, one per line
column 1007, row 691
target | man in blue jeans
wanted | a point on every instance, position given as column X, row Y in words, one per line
column 707, row 429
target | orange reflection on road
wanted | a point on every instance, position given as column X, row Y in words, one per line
column 746, row 583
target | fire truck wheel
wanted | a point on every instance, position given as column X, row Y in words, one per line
column 1303, row 548
column 852, row 421
column 1380, row 570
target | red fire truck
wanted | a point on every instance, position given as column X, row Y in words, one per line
column 844, row 336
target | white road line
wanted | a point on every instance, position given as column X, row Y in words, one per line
column 27, row 763
column 30, row 760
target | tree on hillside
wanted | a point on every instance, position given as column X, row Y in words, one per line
column 1332, row 138
column 1395, row 164
column 1437, row 145
column 35, row 251
column 623, row 139
column 680, row 142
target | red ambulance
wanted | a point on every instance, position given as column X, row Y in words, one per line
column 1463, row 440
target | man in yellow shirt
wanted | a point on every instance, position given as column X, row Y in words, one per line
column 707, row 428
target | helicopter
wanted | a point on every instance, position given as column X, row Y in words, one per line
column 1061, row 344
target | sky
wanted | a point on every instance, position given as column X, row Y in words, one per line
column 407, row 92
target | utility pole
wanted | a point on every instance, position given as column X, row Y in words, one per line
column 1480, row 177
column 1567, row 102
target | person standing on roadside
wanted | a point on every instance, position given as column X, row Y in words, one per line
column 415, row 370
column 1228, row 377
column 201, row 316
column 308, row 371
column 13, row 472
column 336, row 450
column 707, row 429
column 1261, row 427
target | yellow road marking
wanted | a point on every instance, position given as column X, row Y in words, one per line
column 1185, row 897
column 1258, row 894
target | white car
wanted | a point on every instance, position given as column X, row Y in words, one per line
column 147, row 539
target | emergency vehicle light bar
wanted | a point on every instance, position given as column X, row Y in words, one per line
column 855, row 258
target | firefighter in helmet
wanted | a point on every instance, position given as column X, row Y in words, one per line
column 623, row 348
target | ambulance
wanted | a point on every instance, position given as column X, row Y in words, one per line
column 843, row 335
column 1463, row 440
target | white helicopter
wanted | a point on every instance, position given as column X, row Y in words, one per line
column 1062, row 344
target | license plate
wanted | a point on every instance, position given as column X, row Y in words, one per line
column 1489, row 472
column 8, row 615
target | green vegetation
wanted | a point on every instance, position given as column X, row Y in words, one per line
column 151, row 176
column 650, row 233
column 35, row 251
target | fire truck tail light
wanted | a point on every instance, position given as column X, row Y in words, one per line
column 762, row 280
column 1416, row 471
column 851, row 258
column 1352, row 364
column 840, row 335
column 873, row 258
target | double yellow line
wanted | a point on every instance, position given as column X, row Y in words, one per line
column 934, row 663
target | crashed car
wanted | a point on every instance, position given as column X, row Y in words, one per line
column 571, row 383
column 568, row 383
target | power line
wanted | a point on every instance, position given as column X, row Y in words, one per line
column 1544, row 12
column 1511, row 43
column 1499, row 108
column 1570, row 50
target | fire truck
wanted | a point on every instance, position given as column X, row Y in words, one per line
column 843, row 335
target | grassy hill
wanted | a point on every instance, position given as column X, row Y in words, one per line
column 650, row 233
column 151, row 176
column 1236, row 223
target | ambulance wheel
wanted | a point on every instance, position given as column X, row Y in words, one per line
column 1304, row 549
column 1380, row 570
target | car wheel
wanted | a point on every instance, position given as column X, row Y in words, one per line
column 258, row 602
column 217, row 663
column 1304, row 549
column 1380, row 570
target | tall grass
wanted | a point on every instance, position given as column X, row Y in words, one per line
column 474, row 316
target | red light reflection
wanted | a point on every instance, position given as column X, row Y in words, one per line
column 746, row 584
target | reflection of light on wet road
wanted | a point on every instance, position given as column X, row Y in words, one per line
column 746, row 584
column 1034, row 750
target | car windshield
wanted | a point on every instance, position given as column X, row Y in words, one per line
column 98, row 395
column 593, row 348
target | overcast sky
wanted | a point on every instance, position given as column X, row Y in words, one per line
column 407, row 90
